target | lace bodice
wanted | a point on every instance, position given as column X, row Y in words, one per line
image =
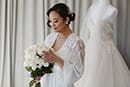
column 100, row 31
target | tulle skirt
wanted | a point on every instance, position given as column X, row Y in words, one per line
column 104, row 66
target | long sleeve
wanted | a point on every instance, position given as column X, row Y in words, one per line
column 74, row 66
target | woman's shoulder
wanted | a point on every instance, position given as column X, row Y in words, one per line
column 75, row 41
column 74, row 38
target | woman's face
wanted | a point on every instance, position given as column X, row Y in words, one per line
column 57, row 22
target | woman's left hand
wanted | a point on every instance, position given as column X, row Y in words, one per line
column 50, row 56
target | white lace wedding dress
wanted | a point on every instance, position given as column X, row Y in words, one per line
column 105, row 66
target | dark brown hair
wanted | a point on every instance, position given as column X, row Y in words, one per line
column 63, row 11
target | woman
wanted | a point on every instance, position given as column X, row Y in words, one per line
column 68, row 54
column 105, row 66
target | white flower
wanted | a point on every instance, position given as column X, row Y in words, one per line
column 34, row 64
column 32, row 60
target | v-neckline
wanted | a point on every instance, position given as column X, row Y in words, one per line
column 62, row 44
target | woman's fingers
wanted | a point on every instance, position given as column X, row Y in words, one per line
column 49, row 56
column 37, row 79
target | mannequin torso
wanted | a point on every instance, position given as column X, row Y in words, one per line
column 101, row 10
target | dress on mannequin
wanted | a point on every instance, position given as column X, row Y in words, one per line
column 104, row 65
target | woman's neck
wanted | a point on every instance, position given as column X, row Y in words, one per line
column 65, row 33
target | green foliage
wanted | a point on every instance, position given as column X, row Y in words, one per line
column 39, row 72
column 38, row 84
column 31, row 83
column 29, row 69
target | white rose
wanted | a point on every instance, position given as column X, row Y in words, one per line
column 32, row 59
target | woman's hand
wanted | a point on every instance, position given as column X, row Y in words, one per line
column 37, row 79
column 50, row 56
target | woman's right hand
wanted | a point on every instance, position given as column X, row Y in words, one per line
column 37, row 79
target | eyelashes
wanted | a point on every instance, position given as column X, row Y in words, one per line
column 55, row 21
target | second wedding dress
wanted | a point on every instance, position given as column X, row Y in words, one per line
column 104, row 65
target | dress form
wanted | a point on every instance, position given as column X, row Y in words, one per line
column 103, row 10
column 100, row 10
column 104, row 65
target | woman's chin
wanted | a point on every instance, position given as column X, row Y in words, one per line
column 56, row 30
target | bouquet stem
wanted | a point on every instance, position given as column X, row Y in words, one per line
column 38, row 84
column 33, row 82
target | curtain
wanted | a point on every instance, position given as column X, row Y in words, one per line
column 23, row 23
column 123, row 29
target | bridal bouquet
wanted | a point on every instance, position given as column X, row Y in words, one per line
column 35, row 65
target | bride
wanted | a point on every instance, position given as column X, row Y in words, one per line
column 105, row 66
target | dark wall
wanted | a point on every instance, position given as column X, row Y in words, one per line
column 123, row 29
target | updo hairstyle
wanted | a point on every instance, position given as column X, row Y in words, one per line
column 63, row 11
